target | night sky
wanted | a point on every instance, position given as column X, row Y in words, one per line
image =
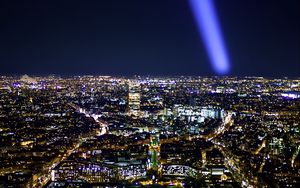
column 145, row 37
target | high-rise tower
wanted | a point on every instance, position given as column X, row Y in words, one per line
column 134, row 98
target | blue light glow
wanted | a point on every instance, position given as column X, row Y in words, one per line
column 206, row 19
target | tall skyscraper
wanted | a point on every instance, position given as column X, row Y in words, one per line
column 134, row 98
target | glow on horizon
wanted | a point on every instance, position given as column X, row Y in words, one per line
column 208, row 26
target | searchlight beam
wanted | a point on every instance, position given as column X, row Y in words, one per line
column 208, row 26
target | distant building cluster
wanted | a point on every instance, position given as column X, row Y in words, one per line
column 103, row 131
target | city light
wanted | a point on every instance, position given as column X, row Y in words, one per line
column 160, row 135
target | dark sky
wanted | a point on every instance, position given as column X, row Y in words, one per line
column 145, row 37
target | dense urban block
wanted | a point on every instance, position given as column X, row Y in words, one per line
column 103, row 131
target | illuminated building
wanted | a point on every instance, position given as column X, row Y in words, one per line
column 97, row 172
column 134, row 98
column 291, row 95
column 276, row 146
column 199, row 113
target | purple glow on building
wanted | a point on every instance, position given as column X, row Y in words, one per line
column 292, row 95
column 207, row 22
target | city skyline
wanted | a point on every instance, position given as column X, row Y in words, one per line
column 105, row 131
column 150, row 93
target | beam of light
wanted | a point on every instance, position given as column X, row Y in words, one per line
column 208, row 26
